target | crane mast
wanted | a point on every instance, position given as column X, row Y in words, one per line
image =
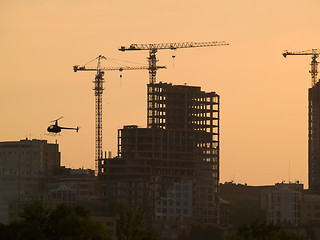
column 98, row 90
column 314, row 63
column 153, row 48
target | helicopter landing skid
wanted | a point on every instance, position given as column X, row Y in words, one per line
column 52, row 134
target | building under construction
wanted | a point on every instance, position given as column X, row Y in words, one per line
column 314, row 120
column 314, row 138
column 173, row 164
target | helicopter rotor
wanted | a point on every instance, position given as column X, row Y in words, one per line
column 57, row 119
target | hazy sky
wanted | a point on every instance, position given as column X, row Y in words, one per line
column 264, row 107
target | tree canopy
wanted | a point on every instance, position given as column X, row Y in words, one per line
column 264, row 231
column 61, row 223
column 131, row 224
column 202, row 232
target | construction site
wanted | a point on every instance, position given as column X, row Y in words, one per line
column 172, row 165
column 313, row 119
column 314, row 138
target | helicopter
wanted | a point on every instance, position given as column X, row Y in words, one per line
column 55, row 128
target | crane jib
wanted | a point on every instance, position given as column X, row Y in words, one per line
column 172, row 46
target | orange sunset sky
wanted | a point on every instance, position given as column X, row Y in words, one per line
column 264, row 104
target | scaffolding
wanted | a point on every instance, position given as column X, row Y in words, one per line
column 174, row 162
column 194, row 113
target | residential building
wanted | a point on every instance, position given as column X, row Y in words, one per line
column 24, row 169
column 284, row 203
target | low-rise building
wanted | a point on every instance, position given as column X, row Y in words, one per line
column 283, row 205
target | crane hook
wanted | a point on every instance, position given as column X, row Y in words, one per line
column 173, row 56
column 120, row 80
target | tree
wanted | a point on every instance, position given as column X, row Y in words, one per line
column 61, row 223
column 75, row 223
column 19, row 230
column 263, row 231
column 202, row 232
column 131, row 224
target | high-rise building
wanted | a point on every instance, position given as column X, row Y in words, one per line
column 314, row 138
column 24, row 168
column 173, row 165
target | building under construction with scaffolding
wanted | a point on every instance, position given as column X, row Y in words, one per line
column 314, row 138
column 172, row 166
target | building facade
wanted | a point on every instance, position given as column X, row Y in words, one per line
column 82, row 182
column 24, row 169
column 310, row 209
column 283, row 204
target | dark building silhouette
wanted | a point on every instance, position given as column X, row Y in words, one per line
column 173, row 165
column 25, row 167
column 314, row 138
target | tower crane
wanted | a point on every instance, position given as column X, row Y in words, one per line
column 98, row 90
column 152, row 60
column 153, row 48
column 314, row 63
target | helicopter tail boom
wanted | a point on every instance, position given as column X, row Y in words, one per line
column 77, row 128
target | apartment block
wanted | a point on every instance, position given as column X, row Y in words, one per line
column 24, row 169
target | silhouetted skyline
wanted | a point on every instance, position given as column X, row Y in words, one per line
column 264, row 106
